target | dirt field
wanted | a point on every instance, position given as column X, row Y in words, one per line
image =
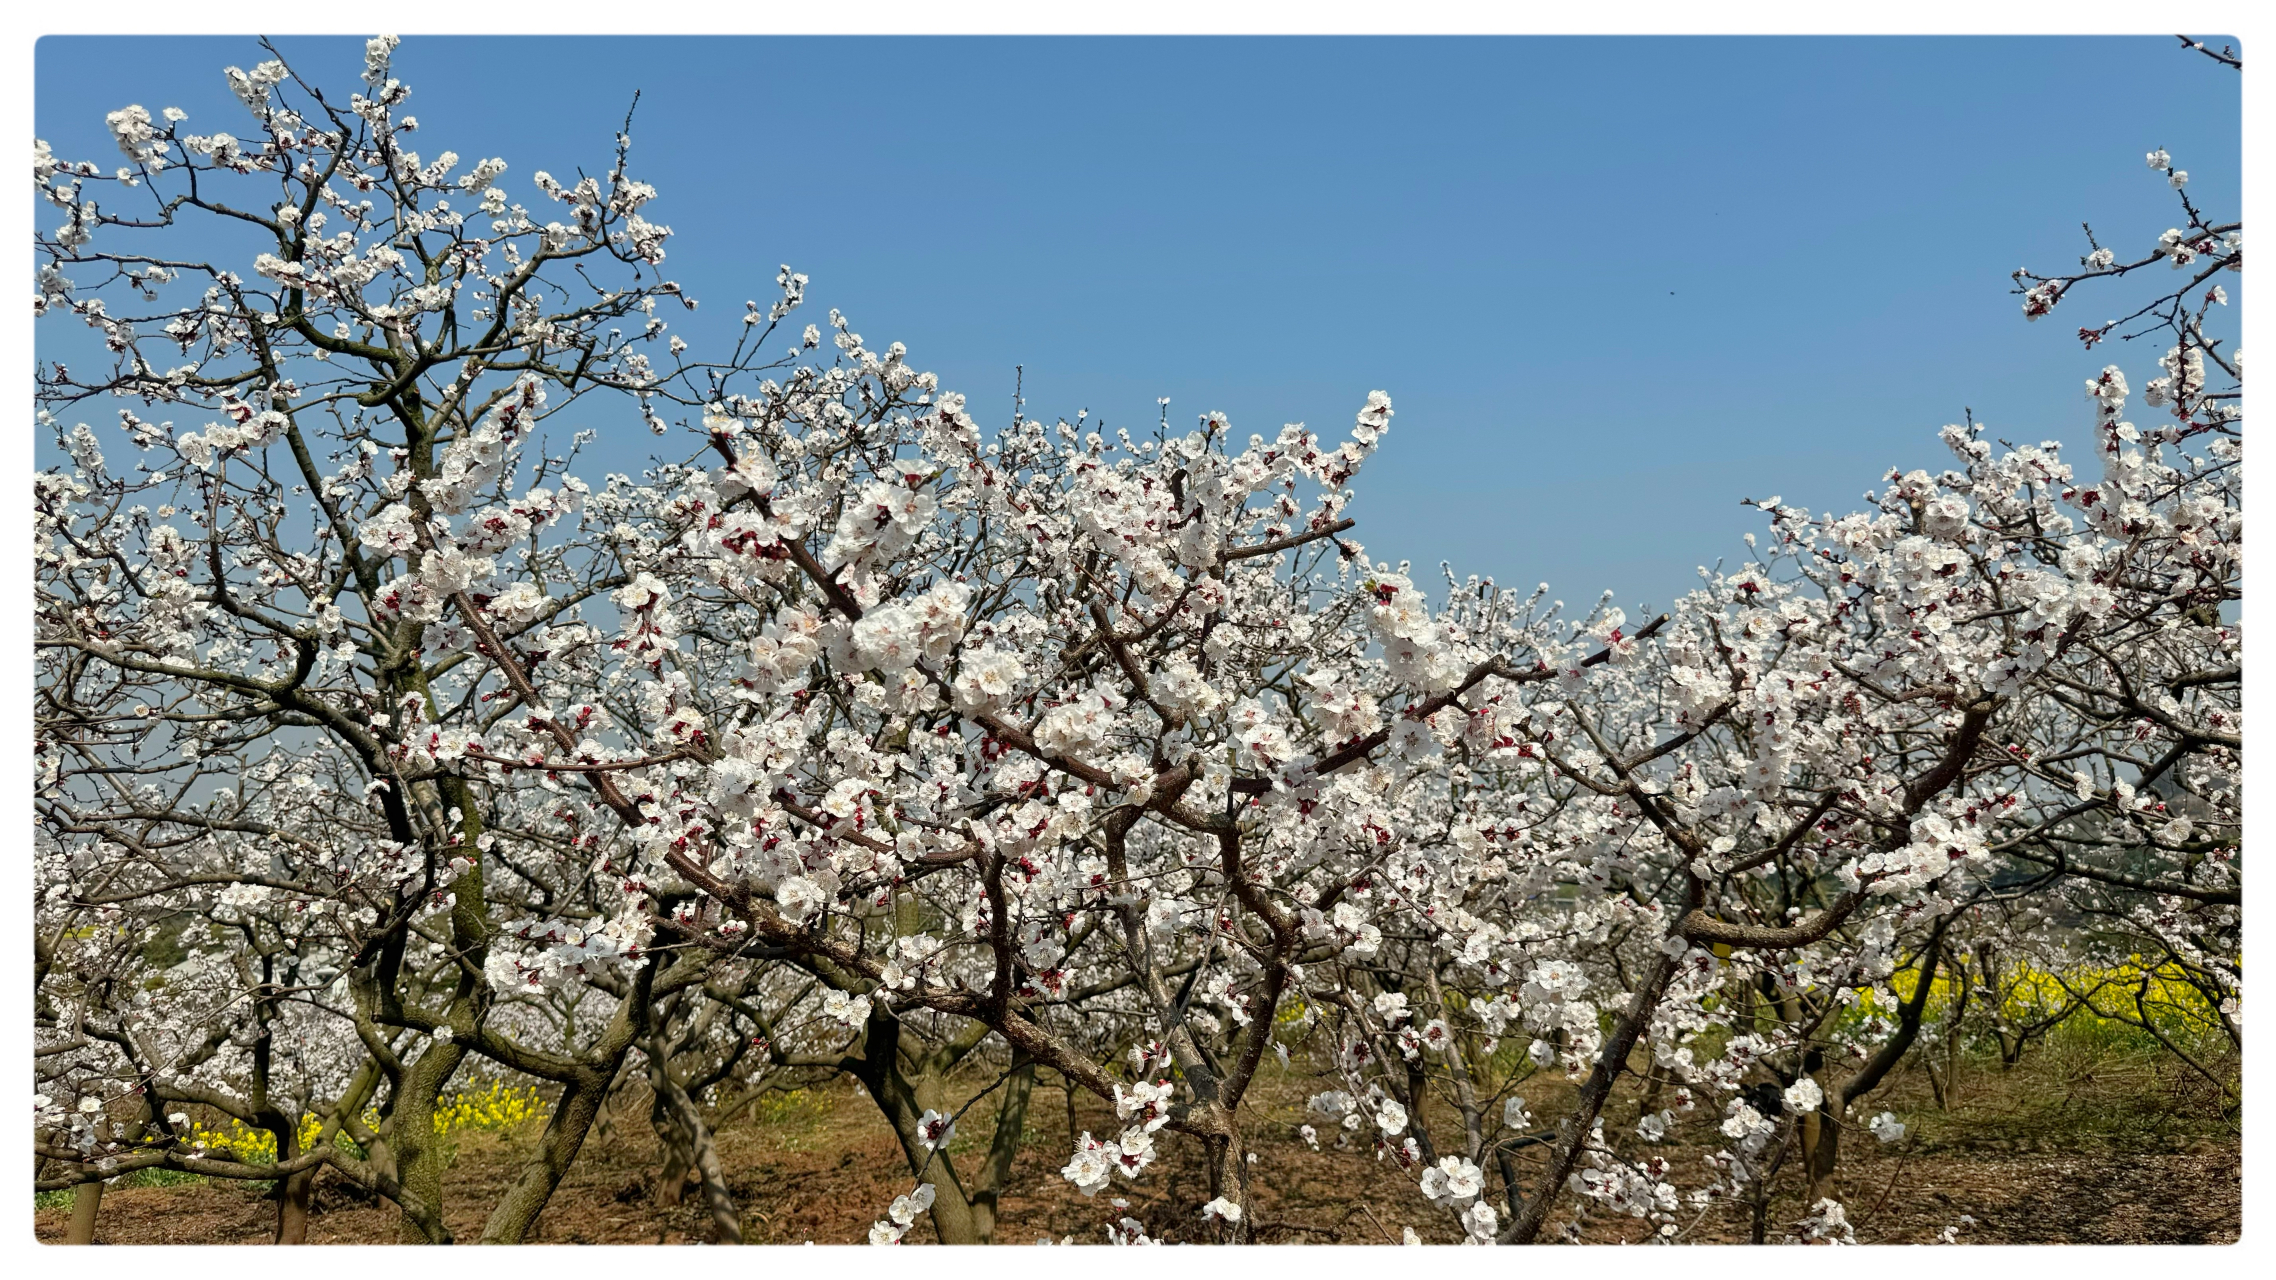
column 2051, row 1155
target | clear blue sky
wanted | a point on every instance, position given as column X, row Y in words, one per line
column 1612, row 285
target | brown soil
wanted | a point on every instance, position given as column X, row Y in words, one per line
column 824, row 1169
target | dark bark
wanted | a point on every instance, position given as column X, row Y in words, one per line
column 879, row 1070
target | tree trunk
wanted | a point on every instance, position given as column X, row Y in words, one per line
column 292, row 1207
column 292, row 1192
column 1416, row 1093
column 86, row 1202
column 1003, row 1147
column 689, row 1144
column 1822, row 1150
column 419, row 1154
column 879, row 1069
column 672, row 1181
column 583, row 1094
column 516, row 1212
column 1950, row 1094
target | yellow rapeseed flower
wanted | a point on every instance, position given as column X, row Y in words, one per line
column 497, row 1108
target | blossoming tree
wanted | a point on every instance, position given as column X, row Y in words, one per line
column 375, row 741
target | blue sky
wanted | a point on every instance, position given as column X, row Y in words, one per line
column 1612, row 285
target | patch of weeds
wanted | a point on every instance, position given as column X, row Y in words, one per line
column 791, row 1117
column 152, row 1177
column 2074, row 1092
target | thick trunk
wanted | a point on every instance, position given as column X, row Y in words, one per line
column 292, row 1207
column 516, row 1212
column 292, row 1192
column 1818, row 1133
column 1824, row 1156
column 672, row 1180
column 419, row 1154
column 1229, row 1177
column 583, row 1094
column 86, row 1203
column 904, row 1104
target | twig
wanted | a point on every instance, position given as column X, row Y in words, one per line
column 1379, row 1227
column 2227, row 56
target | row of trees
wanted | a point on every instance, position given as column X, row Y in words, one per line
column 378, row 748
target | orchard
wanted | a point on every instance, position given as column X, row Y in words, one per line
column 386, row 752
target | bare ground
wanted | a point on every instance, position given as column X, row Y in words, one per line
column 2031, row 1163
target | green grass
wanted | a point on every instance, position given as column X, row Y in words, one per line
column 139, row 1178
column 2082, row 1089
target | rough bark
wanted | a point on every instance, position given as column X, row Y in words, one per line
column 689, row 1144
column 419, row 1154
